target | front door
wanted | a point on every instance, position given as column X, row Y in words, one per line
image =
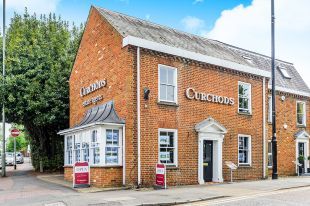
column 301, row 153
column 207, row 160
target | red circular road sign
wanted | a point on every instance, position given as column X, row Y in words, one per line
column 15, row 132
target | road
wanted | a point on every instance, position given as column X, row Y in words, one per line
column 22, row 187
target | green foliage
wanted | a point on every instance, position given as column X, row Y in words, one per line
column 301, row 158
column 40, row 55
column 21, row 141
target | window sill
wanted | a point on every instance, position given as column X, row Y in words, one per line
column 245, row 113
column 269, row 168
column 171, row 167
column 173, row 104
column 301, row 126
column 244, row 166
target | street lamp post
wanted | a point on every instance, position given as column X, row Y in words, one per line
column 3, row 113
column 274, row 132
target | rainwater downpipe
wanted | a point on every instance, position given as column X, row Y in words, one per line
column 138, row 115
column 264, row 127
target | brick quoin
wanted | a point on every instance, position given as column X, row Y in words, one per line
column 101, row 56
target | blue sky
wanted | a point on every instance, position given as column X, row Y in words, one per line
column 166, row 12
column 243, row 23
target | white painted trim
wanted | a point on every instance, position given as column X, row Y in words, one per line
column 138, row 115
column 250, row 150
column 88, row 126
column 250, row 97
column 306, row 148
column 175, row 80
column 305, row 114
column 124, row 155
column 175, row 139
column 291, row 91
column 269, row 109
column 264, row 127
column 139, row 42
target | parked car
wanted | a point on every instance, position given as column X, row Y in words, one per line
column 9, row 158
column 19, row 158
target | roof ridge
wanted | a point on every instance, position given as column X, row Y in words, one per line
column 190, row 34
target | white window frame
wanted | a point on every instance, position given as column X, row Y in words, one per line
column 304, row 113
column 270, row 109
column 175, row 139
column 175, row 86
column 86, row 136
column 250, row 98
column 119, row 146
column 249, row 150
column 269, row 153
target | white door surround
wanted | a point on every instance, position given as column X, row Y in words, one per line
column 211, row 130
column 302, row 137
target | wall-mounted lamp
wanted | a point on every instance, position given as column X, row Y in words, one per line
column 282, row 98
column 146, row 93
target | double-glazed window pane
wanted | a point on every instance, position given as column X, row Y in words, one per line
column 167, row 147
column 167, row 83
column 244, row 97
column 69, row 149
column 244, row 150
column 112, row 146
column 301, row 113
column 95, row 149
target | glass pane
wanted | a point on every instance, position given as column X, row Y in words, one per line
column 269, row 160
column 300, row 118
column 171, row 139
column 115, row 137
column 243, row 89
column 170, row 93
column 109, row 135
column 163, row 92
column 243, row 104
column 246, row 143
column 111, row 155
column 269, row 147
column 163, row 75
column 241, row 157
column 94, row 136
column 171, row 76
column 299, row 108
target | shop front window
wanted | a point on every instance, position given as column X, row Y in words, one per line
column 98, row 147
column 69, row 150
column 95, row 148
column 167, row 146
column 244, row 147
column 112, row 146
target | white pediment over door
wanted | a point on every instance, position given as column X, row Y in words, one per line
column 210, row 125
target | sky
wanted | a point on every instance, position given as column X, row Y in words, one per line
column 242, row 23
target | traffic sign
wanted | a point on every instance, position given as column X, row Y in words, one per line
column 15, row 132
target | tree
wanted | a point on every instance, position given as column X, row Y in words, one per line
column 40, row 55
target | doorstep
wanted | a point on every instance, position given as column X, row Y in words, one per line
column 59, row 180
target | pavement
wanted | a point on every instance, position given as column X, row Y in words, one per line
column 24, row 187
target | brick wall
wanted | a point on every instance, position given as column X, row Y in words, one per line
column 100, row 56
column 100, row 176
column 286, row 114
column 204, row 78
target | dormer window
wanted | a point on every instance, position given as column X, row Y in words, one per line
column 248, row 59
column 284, row 72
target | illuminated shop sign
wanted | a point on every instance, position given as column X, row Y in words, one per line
column 208, row 97
column 93, row 87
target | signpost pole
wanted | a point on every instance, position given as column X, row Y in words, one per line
column 3, row 173
column 14, row 153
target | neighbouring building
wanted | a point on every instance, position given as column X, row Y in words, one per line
column 142, row 93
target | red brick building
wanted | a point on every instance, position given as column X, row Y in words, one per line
column 142, row 93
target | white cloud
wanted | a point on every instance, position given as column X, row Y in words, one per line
column 37, row 6
column 249, row 28
column 197, row 1
column 192, row 24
